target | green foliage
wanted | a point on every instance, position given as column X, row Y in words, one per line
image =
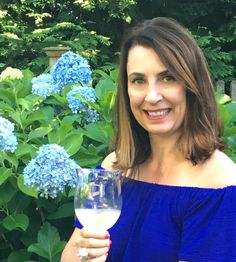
column 27, row 28
column 228, row 116
column 33, row 228
column 49, row 244
column 219, row 60
column 94, row 28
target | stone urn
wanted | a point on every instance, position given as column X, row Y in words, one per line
column 54, row 53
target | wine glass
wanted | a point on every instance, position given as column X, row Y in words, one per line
column 98, row 198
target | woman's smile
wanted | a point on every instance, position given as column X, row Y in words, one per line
column 158, row 114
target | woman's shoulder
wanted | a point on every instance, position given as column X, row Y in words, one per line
column 109, row 160
column 221, row 170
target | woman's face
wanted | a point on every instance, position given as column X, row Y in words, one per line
column 157, row 99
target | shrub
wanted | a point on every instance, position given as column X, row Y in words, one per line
column 50, row 137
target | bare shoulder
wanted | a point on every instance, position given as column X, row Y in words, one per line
column 223, row 169
column 109, row 160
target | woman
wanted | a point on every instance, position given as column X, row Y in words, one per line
column 179, row 195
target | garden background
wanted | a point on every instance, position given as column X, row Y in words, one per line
column 34, row 227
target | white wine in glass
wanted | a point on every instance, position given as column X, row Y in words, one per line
column 98, row 197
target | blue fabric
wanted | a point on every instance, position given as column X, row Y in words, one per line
column 161, row 223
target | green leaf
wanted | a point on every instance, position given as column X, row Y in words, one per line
column 99, row 131
column 24, row 149
column 6, row 107
column 103, row 87
column 71, row 119
column 18, row 255
column 225, row 115
column 58, row 135
column 88, row 157
column 26, row 189
column 49, row 244
column 11, row 158
column 54, row 137
column 7, row 96
column 48, row 111
column 114, row 75
column 16, row 221
column 7, row 192
column 60, row 100
column 28, row 75
column 107, row 102
column 29, row 101
column 222, row 98
column 39, row 132
column 71, row 192
column 4, row 174
column 73, row 143
column 229, row 131
column 65, row 210
column 16, row 116
column 38, row 115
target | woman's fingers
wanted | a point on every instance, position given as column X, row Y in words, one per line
column 94, row 243
column 97, row 244
column 98, row 259
column 91, row 239
column 97, row 252
column 86, row 232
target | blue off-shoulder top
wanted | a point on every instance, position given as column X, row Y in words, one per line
column 161, row 223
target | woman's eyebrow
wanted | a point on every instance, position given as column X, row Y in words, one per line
column 134, row 74
column 163, row 73
column 160, row 74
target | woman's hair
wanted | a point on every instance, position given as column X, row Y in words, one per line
column 179, row 52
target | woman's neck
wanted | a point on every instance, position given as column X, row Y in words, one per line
column 165, row 161
column 165, row 149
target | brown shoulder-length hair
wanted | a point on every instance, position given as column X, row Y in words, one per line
column 179, row 52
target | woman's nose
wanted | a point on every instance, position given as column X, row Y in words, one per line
column 153, row 94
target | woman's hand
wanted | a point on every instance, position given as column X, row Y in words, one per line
column 96, row 244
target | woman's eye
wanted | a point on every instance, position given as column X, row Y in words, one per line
column 168, row 78
column 137, row 81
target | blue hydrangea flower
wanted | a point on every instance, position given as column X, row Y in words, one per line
column 76, row 105
column 8, row 141
column 51, row 171
column 71, row 68
column 44, row 85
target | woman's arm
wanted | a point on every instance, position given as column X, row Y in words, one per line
column 69, row 253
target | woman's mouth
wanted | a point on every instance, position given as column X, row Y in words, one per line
column 157, row 114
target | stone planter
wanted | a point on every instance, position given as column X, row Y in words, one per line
column 54, row 53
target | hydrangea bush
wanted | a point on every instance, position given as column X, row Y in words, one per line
column 59, row 125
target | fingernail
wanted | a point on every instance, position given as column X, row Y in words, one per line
column 106, row 254
column 110, row 243
column 107, row 235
